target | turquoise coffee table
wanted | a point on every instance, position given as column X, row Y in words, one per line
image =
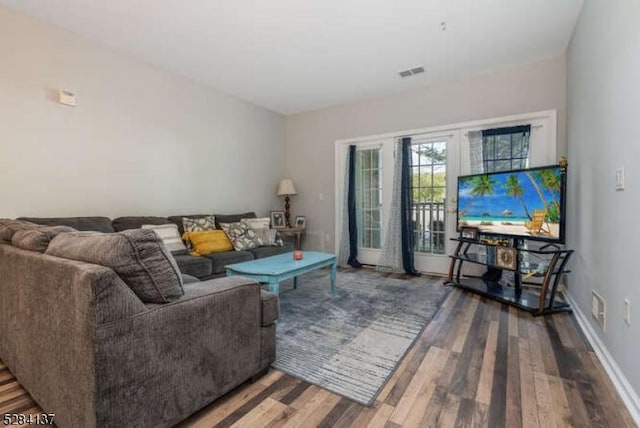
column 275, row 269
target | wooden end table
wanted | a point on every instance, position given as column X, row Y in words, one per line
column 296, row 232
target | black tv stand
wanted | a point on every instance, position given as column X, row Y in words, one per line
column 534, row 286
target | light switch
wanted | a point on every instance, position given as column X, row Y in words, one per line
column 620, row 178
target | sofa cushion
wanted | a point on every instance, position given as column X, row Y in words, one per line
column 125, row 223
column 262, row 252
column 9, row 227
column 37, row 239
column 208, row 241
column 194, row 265
column 169, row 235
column 220, row 260
column 97, row 224
column 232, row 218
column 189, row 279
column 270, row 310
column 137, row 256
column 242, row 236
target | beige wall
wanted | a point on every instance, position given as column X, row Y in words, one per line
column 310, row 137
column 603, row 98
column 140, row 141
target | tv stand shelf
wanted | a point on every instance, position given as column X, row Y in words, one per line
column 538, row 297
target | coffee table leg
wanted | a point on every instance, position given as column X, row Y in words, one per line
column 333, row 279
column 274, row 286
column 295, row 282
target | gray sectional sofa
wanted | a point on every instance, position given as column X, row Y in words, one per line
column 88, row 348
column 202, row 267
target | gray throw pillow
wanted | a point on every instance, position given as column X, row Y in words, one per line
column 9, row 227
column 137, row 256
column 38, row 239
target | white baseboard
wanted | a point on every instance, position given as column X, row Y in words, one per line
column 626, row 391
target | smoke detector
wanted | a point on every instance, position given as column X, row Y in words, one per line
column 411, row 71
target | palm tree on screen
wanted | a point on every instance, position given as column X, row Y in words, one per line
column 514, row 189
column 482, row 185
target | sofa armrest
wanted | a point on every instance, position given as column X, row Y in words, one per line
column 270, row 307
column 49, row 309
column 157, row 367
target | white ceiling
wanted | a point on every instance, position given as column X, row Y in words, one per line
column 297, row 55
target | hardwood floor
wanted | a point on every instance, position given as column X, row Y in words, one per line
column 478, row 363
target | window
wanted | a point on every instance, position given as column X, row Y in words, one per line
column 429, row 188
column 504, row 149
column 369, row 197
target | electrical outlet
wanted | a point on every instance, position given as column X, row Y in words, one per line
column 627, row 312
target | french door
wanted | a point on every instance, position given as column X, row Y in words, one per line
column 374, row 175
column 434, row 170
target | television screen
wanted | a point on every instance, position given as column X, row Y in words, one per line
column 522, row 203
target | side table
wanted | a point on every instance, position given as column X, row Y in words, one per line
column 298, row 233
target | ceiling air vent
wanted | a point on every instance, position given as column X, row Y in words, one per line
column 411, row 71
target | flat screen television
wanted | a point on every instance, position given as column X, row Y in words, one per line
column 527, row 203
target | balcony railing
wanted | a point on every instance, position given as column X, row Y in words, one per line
column 429, row 227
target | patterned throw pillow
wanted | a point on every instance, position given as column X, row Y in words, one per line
column 257, row 223
column 169, row 234
column 242, row 236
column 199, row 224
column 261, row 226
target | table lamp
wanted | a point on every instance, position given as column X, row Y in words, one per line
column 286, row 189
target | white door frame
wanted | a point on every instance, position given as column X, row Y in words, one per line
column 542, row 148
column 367, row 256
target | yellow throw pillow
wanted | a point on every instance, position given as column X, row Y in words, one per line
column 208, row 241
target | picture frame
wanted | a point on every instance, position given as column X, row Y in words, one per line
column 301, row 222
column 277, row 220
column 506, row 258
column 469, row 232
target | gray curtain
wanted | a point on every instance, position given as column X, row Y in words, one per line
column 391, row 255
column 344, row 250
column 476, row 159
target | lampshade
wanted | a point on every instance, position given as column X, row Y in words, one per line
column 286, row 187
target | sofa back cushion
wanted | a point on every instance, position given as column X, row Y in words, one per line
column 125, row 223
column 232, row 218
column 9, row 227
column 38, row 239
column 97, row 224
column 137, row 256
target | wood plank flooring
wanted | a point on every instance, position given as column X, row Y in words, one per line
column 477, row 364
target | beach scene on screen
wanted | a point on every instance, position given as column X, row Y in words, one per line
column 520, row 203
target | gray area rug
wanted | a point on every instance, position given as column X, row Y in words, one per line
column 352, row 344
